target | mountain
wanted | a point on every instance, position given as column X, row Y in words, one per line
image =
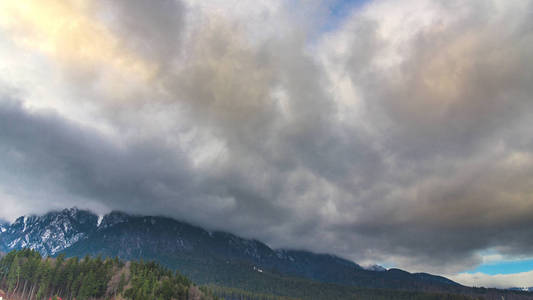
column 50, row 233
column 3, row 226
column 195, row 251
column 376, row 268
column 206, row 257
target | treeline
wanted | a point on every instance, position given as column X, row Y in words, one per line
column 300, row 288
column 151, row 281
column 26, row 275
column 322, row 291
column 226, row 293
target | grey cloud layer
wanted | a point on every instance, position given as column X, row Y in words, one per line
column 434, row 164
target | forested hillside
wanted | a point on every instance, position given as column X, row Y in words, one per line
column 25, row 274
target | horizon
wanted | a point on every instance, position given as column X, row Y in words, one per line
column 396, row 133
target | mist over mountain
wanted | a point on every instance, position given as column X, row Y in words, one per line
column 203, row 255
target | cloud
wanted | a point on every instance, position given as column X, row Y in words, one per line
column 78, row 42
column 521, row 280
column 153, row 31
column 400, row 137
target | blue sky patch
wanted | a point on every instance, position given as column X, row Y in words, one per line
column 339, row 10
column 505, row 267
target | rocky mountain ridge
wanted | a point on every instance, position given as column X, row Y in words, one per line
column 204, row 256
column 50, row 233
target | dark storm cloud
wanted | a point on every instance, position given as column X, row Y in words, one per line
column 49, row 149
column 401, row 137
column 46, row 149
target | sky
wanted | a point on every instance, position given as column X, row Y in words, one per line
column 384, row 131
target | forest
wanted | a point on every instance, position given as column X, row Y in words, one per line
column 25, row 274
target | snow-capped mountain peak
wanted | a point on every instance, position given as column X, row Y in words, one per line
column 49, row 233
column 376, row 268
column 112, row 219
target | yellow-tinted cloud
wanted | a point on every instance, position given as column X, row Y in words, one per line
column 223, row 75
column 68, row 32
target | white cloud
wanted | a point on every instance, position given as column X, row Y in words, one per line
column 520, row 280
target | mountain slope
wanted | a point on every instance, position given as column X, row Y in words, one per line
column 187, row 247
column 197, row 252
